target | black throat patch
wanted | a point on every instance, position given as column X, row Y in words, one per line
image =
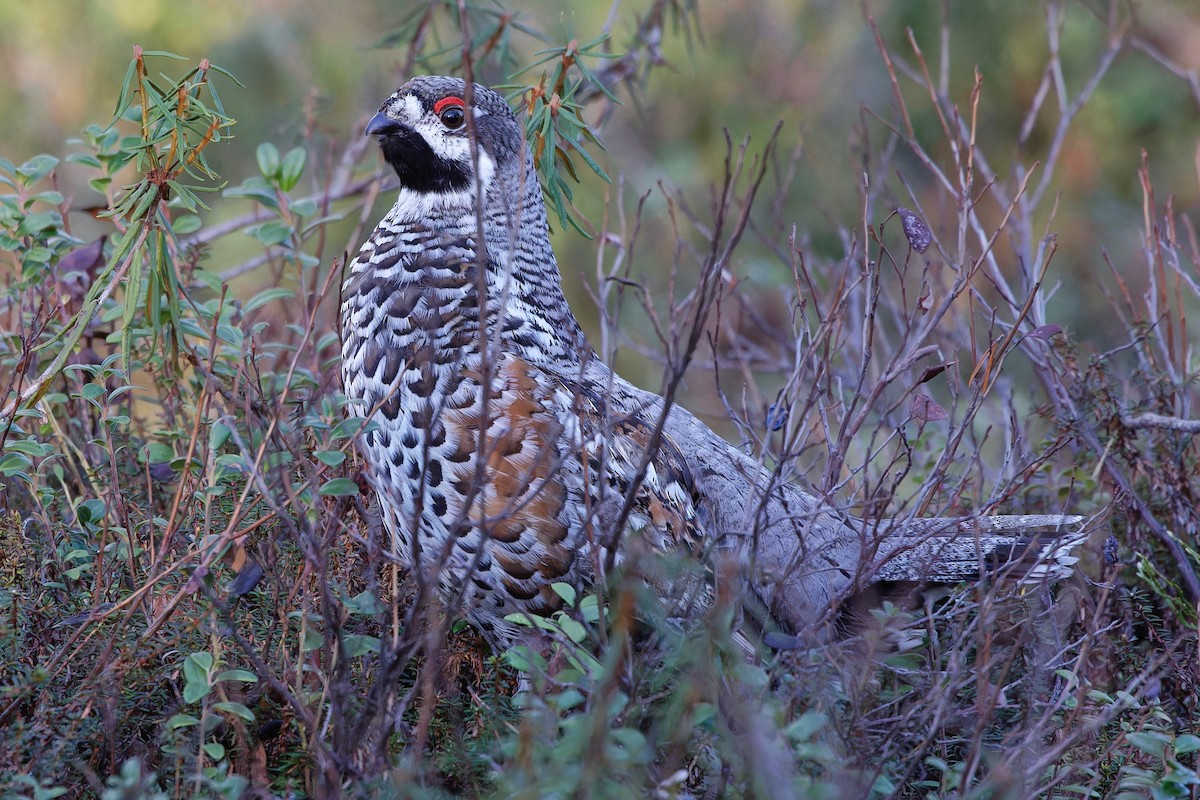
column 418, row 167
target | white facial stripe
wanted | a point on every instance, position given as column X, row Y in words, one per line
column 412, row 107
column 487, row 170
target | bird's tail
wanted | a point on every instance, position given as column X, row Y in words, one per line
column 1033, row 548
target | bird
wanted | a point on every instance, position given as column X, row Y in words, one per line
column 506, row 456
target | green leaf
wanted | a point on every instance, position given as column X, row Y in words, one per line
column 313, row 640
column 883, row 786
column 330, row 458
column 29, row 447
column 37, row 222
column 218, row 434
column 271, row 233
column 566, row 591
column 39, row 255
column 292, row 167
column 807, row 726
column 183, row 196
column 14, row 463
column 268, row 160
column 589, row 608
column 363, row 604
column 349, row 427
column 305, row 208
column 339, row 487
column 197, row 668
column 214, row 750
column 905, row 662
column 629, row 739
column 573, row 629
column 243, row 675
column 568, row 699
column 182, row 721
column 1186, row 743
column 255, row 188
column 84, row 159
column 186, row 224
column 356, row 645
column 158, row 453
column 237, row 709
column 266, row 296
column 523, row 658
column 1150, row 742
column 37, row 168
column 164, row 54
column 142, row 208
column 91, row 510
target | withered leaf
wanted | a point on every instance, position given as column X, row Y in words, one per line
column 777, row 415
column 924, row 408
column 932, row 372
column 918, row 233
column 1046, row 331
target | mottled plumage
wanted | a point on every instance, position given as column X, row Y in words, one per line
column 505, row 450
column 492, row 501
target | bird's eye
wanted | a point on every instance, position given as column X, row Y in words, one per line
column 450, row 112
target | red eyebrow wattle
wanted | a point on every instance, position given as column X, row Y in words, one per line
column 440, row 105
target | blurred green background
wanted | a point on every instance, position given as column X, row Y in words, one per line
column 315, row 71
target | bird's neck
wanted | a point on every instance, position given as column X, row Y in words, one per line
column 524, row 294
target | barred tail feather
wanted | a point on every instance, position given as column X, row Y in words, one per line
column 1034, row 548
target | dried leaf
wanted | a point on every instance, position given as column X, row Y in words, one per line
column 932, row 372
column 925, row 301
column 78, row 269
column 925, row 409
column 782, row 641
column 915, row 229
column 161, row 471
column 1046, row 331
column 777, row 415
column 196, row 579
column 1112, row 550
column 247, row 578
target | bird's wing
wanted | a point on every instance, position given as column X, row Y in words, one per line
column 503, row 483
column 615, row 442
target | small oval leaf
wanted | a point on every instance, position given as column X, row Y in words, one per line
column 268, row 160
column 915, row 230
column 289, row 171
column 339, row 487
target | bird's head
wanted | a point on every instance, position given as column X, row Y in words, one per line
column 422, row 129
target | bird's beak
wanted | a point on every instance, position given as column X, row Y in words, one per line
column 382, row 125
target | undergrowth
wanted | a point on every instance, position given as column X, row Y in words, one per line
column 196, row 598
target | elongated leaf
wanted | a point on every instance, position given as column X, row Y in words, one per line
column 291, row 169
column 237, row 709
column 266, row 296
column 268, row 160
column 182, row 721
column 339, row 487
